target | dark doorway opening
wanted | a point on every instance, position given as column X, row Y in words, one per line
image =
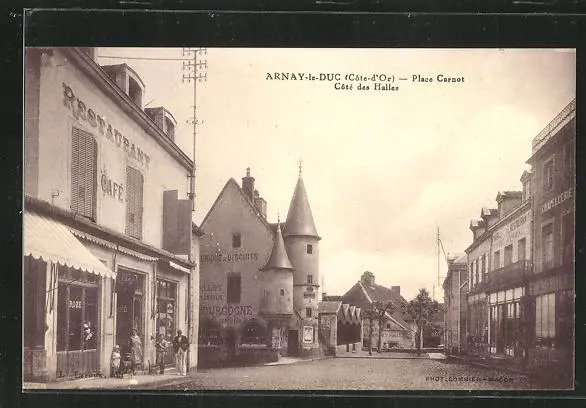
column 293, row 343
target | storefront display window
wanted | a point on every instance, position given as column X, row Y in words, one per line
column 166, row 312
column 545, row 319
column 77, row 311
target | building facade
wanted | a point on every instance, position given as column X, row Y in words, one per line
column 259, row 281
column 397, row 329
column 455, row 304
column 551, row 286
column 521, row 261
column 107, row 231
column 499, row 263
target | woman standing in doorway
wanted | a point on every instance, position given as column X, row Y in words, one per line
column 135, row 350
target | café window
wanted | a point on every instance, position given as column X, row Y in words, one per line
column 84, row 159
column 548, row 175
column 134, row 202
column 545, row 316
column 547, row 245
column 508, row 259
column 309, row 249
column 236, row 240
column 233, row 288
column 77, row 311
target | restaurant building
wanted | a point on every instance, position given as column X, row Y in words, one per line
column 259, row 290
column 551, row 287
column 107, row 223
column 499, row 263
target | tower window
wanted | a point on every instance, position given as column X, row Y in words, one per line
column 309, row 249
column 309, row 279
column 282, row 292
column 236, row 240
column 308, row 311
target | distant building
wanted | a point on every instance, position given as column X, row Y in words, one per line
column 397, row 329
column 456, row 303
column 259, row 283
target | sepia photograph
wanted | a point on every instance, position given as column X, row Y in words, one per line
column 298, row 219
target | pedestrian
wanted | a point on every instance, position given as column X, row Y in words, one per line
column 115, row 360
column 135, row 351
column 180, row 347
column 161, row 346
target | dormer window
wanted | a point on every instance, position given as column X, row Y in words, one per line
column 170, row 128
column 135, row 92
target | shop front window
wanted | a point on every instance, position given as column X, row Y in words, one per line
column 77, row 314
column 545, row 319
column 166, row 312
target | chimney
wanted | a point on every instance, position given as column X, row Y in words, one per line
column 367, row 278
column 248, row 185
column 260, row 204
column 396, row 289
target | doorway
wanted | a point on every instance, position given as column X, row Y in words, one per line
column 130, row 313
column 293, row 343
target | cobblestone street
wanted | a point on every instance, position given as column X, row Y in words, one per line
column 355, row 374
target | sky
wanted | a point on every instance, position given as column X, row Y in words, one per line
column 383, row 170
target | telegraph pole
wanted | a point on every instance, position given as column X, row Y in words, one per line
column 194, row 69
column 194, row 66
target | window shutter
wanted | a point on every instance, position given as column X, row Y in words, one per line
column 134, row 205
column 84, row 158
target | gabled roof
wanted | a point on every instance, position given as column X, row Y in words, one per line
column 508, row 194
column 299, row 218
column 278, row 258
column 233, row 182
column 363, row 295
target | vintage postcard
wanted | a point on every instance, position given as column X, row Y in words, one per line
column 299, row 218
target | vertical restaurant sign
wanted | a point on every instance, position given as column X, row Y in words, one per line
column 82, row 113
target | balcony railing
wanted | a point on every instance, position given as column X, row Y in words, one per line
column 513, row 273
column 561, row 119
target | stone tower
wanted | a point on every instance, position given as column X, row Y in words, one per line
column 277, row 281
column 302, row 244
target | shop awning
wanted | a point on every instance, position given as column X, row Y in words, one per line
column 48, row 239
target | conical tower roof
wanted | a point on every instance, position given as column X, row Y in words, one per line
column 299, row 218
column 278, row 258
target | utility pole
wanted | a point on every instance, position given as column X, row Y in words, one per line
column 194, row 67
column 193, row 70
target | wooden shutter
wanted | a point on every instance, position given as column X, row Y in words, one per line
column 84, row 158
column 134, row 205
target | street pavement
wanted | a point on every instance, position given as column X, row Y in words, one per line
column 355, row 374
